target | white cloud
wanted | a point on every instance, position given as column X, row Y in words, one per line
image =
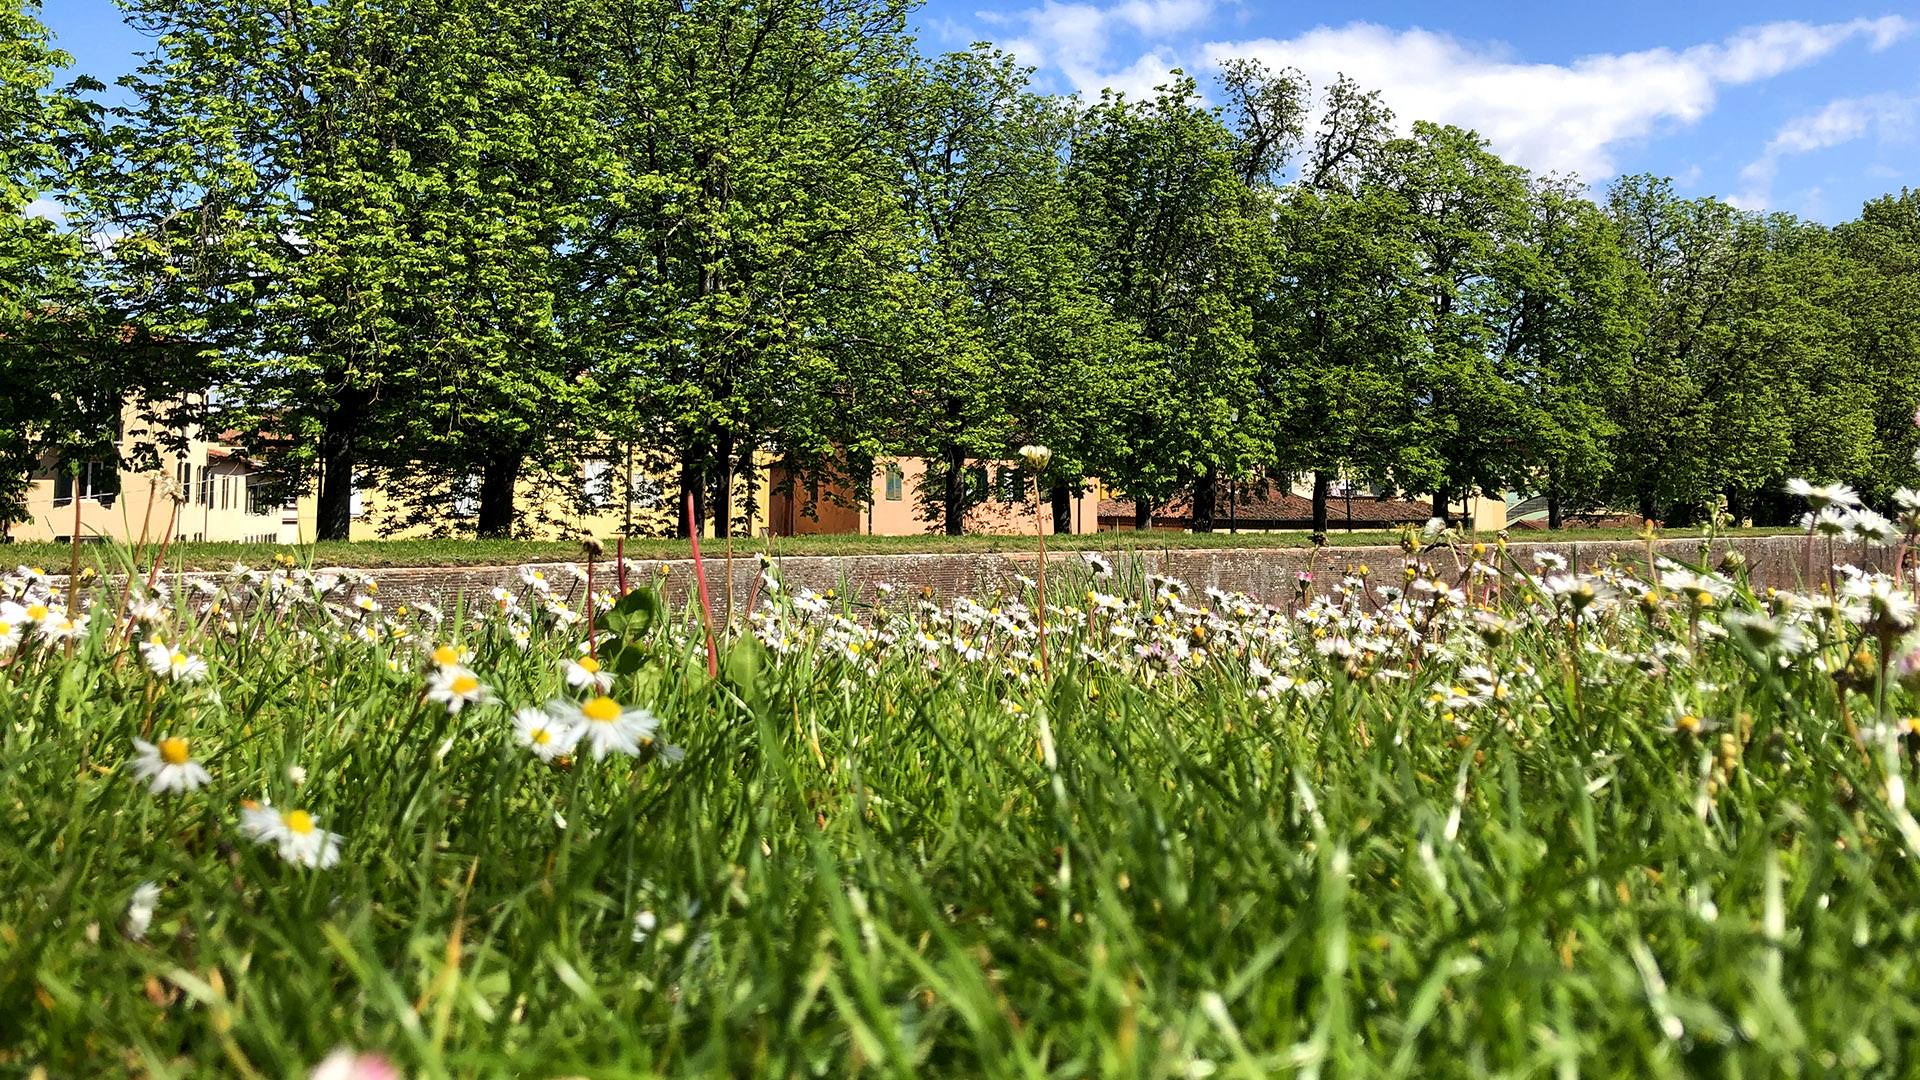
column 1553, row 117
column 1841, row 121
column 1570, row 118
column 46, row 208
column 1073, row 39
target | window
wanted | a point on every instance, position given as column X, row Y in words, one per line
column 183, row 475
column 466, row 498
column 97, row 480
column 1010, row 485
column 260, row 500
column 896, row 480
column 204, row 496
column 647, row 493
column 226, row 490
column 596, row 484
column 977, row 484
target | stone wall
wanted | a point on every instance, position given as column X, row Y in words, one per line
column 1268, row 573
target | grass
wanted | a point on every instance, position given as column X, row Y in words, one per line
column 1409, row 841
column 373, row 554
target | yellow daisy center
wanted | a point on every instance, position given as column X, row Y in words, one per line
column 177, row 659
column 601, row 710
column 1688, row 723
column 173, row 751
column 36, row 612
column 298, row 821
column 5, row 629
column 465, row 684
column 541, row 736
column 589, row 665
column 446, row 654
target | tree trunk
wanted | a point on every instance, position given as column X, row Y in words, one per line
column 955, row 501
column 744, row 472
column 1206, row 496
column 692, row 481
column 1322, row 485
column 1062, row 498
column 498, row 477
column 1142, row 515
column 338, row 442
column 1553, row 500
column 720, row 477
column 1440, row 502
column 1647, row 506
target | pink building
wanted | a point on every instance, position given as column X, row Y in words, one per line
column 1003, row 498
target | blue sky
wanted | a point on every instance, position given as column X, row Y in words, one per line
column 1805, row 107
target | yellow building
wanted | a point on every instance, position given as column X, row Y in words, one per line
column 221, row 496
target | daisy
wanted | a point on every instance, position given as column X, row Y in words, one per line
column 535, row 580
column 345, row 1064
column 1821, row 496
column 140, row 910
column 163, row 659
column 542, row 734
column 586, row 673
column 9, row 630
column 295, row 833
column 453, row 656
column 169, row 765
column 457, row 688
column 57, row 628
column 606, row 725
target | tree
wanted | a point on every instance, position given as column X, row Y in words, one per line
column 1740, row 373
column 1337, row 332
column 1882, row 304
column 746, row 187
column 72, row 365
column 1562, row 333
column 1466, row 210
column 1176, row 255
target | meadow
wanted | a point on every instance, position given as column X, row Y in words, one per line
column 467, row 551
column 1461, row 815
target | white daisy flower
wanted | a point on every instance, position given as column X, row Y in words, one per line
column 453, row 656
column 140, row 910
column 9, row 630
column 295, row 833
column 1821, row 496
column 59, row 628
column 168, row 765
column 606, row 725
column 586, row 673
column 456, row 688
column 545, row 736
column 163, row 659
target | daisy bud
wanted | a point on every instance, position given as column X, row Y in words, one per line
column 1036, row 457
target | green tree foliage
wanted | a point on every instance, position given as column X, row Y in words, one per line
column 1177, row 255
column 733, row 251
column 1560, row 314
column 1882, row 305
column 1337, row 331
column 71, row 369
column 1743, row 372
